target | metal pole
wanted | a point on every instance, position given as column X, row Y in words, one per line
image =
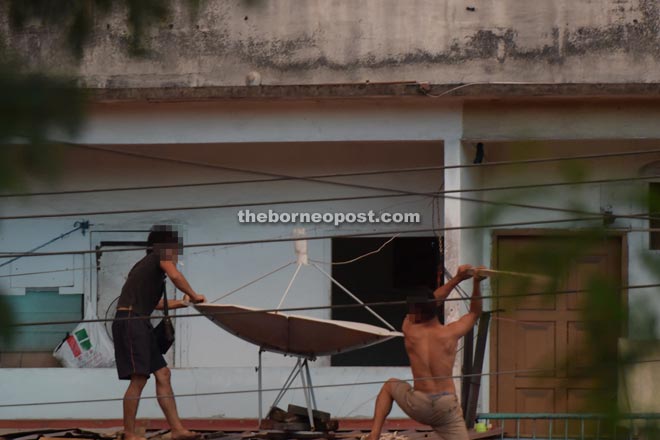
column 292, row 376
column 311, row 388
column 349, row 293
column 260, row 387
column 467, row 372
column 475, row 379
column 306, row 392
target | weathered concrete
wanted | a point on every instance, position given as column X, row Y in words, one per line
column 469, row 91
column 341, row 41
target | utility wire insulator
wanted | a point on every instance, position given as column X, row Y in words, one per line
column 300, row 246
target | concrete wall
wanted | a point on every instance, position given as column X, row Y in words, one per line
column 306, row 42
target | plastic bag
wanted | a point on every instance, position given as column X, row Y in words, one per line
column 87, row 346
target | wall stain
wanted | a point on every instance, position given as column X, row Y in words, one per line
column 174, row 47
column 640, row 37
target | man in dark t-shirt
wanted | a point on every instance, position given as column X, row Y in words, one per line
column 136, row 351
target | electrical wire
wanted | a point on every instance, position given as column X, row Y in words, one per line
column 77, row 227
column 249, row 391
column 644, row 216
column 319, row 176
column 339, row 263
column 317, row 237
column 240, row 170
column 275, row 202
column 331, row 307
column 73, row 269
column 435, row 230
column 41, row 272
column 399, row 193
column 323, row 386
column 475, row 200
column 200, row 207
column 263, row 173
column 231, row 292
column 435, row 168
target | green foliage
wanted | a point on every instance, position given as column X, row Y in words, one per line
column 37, row 106
column 142, row 14
column 76, row 18
column 33, row 107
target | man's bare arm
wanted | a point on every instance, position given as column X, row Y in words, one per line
column 172, row 304
column 180, row 281
column 443, row 291
column 467, row 321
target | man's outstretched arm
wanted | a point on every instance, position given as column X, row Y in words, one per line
column 180, row 282
column 462, row 274
column 172, row 304
column 467, row 321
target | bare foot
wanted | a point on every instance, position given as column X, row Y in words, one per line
column 184, row 434
column 132, row 436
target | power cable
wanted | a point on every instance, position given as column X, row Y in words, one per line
column 353, row 260
column 248, row 391
column 400, row 193
column 330, row 307
column 317, row 237
column 320, row 176
column 252, row 282
column 72, row 269
column 301, row 178
column 435, row 168
column 77, row 227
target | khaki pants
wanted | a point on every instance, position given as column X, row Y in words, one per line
column 442, row 413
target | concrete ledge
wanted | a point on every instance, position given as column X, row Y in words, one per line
column 467, row 91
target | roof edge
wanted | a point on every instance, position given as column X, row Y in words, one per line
column 418, row 90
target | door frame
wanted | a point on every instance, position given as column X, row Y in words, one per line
column 496, row 234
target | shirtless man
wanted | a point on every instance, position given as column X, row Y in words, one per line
column 431, row 348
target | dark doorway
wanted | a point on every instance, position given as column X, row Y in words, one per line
column 406, row 264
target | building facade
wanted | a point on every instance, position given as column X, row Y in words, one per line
column 299, row 88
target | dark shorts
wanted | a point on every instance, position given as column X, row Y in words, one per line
column 136, row 349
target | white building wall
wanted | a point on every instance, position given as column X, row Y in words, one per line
column 328, row 139
column 206, row 358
